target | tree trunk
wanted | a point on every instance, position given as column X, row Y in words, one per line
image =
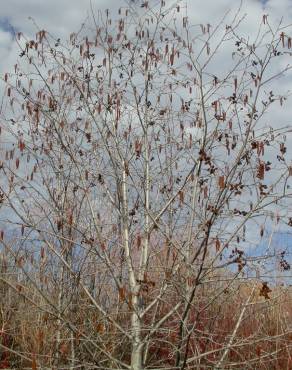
column 137, row 350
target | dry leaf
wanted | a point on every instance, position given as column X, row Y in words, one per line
column 221, row 182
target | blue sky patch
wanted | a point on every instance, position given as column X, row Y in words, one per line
column 6, row 25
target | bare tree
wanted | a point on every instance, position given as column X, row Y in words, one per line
column 138, row 173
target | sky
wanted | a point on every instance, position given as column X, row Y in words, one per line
column 65, row 16
column 62, row 17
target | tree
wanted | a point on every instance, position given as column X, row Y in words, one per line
column 138, row 172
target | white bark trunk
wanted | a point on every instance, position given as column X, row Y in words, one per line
column 137, row 350
column 137, row 353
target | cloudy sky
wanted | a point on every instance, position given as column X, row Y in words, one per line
column 61, row 17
